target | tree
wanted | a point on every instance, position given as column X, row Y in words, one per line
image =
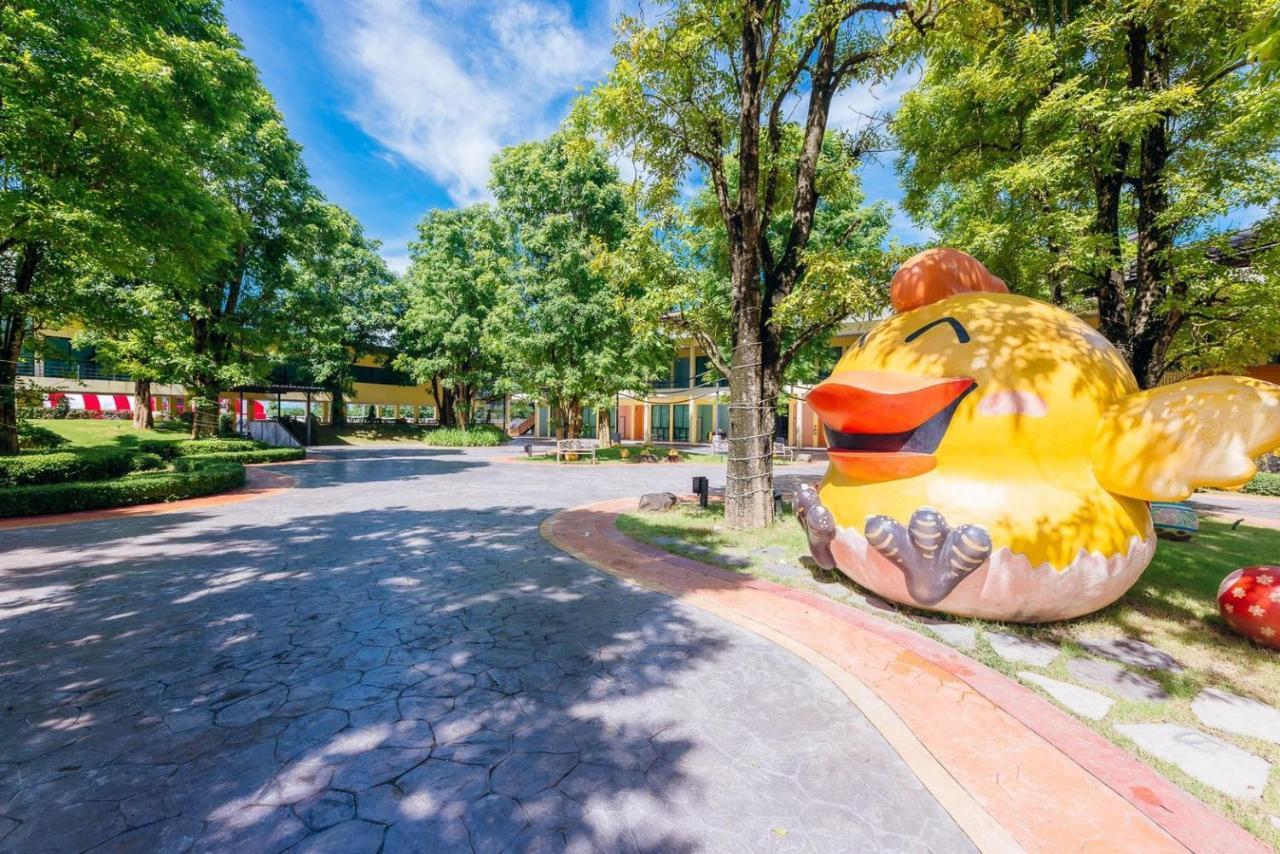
column 563, row 331
column 237, row 314
column 343, row 303
column 680, row 261
column 709, row 87
column 1089, row 152
column 104, row 110
column 459, row 267
column 128, row 337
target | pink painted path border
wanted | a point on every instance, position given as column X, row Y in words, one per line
column 1058, row 785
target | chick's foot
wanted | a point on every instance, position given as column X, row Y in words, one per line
column 934, row 557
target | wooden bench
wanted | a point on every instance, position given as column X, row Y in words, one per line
column 782, row 452
column 576, row 446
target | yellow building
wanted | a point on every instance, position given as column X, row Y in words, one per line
column 691, row 403
column 65, row 370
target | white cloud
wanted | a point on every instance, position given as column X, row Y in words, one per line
column 902, row 227
column 398, row 261
column 860, row 104
column 445, row 85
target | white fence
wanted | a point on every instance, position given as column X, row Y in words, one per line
column 272, row 433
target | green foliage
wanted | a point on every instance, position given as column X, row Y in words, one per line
column 106, row 112
column 193, row 447
column 1263, row 483
column 34, row 436
column 681, row 259
column 564, row 331
column 1095, row 157
column 344, row 301
column 459, row 266
column 187, row 462
column 64, row 466
column 480, row 436
column 145, row 488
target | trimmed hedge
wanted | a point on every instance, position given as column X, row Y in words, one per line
column 484, row 436
column 191, row 447
column 34, row 436
column 67, row 466
column 206, row 479
column 1263, row 483
column 265, row 455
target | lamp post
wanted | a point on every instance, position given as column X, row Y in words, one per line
column 701, row 489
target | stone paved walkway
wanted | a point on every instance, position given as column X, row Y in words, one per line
column 389, row 658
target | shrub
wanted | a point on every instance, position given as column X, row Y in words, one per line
column 197, row 447
column 144, row 488
column 66, row 466
column 34, row 436
column 264, row 455
column 143, row 461
column 1263, row 483
column 482, row 436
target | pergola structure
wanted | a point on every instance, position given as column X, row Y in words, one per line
column 310, row 391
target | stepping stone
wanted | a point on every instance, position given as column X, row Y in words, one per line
column 956, row 634
column 1117, row 680
column 1238, row 715
column 1210, row 760
column 871, row 603
column 1022, row 650
column 1082, row 701
column 786, row 570
column 1135, row 653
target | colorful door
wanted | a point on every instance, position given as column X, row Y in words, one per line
column 680, row 422
column 660, row 429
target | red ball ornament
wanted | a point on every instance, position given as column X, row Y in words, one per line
column 1249, row 600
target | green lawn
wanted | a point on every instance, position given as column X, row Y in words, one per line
column 612, row 455
column 1173, row 606
column 369, row 434
column 85, row 433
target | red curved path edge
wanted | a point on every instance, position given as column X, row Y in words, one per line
column 258, row 484
column 1012, row 769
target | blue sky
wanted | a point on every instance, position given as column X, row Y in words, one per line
column 399, row 104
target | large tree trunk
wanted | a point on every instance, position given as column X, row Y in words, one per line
column 142, row 417
column 604, row 428
column 462, row 410
column 1113, row 307
column 749, row 475
column 13, row 332
column 204, row 407
column 9, row 397
column 10, row 352
column 575, row 420
column 1154, row 324
column 337, row 407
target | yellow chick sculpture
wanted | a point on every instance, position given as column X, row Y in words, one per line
column 992, row 456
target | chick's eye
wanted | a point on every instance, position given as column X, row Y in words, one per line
column 962, row 334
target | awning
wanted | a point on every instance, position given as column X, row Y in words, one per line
column 79, row 402
column 94, row 402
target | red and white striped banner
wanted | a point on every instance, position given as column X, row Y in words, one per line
column 255, row 410
column 94, row 402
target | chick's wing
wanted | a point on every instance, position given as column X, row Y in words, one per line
column 1163, row 443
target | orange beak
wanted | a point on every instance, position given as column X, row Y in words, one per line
column 883, row 426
